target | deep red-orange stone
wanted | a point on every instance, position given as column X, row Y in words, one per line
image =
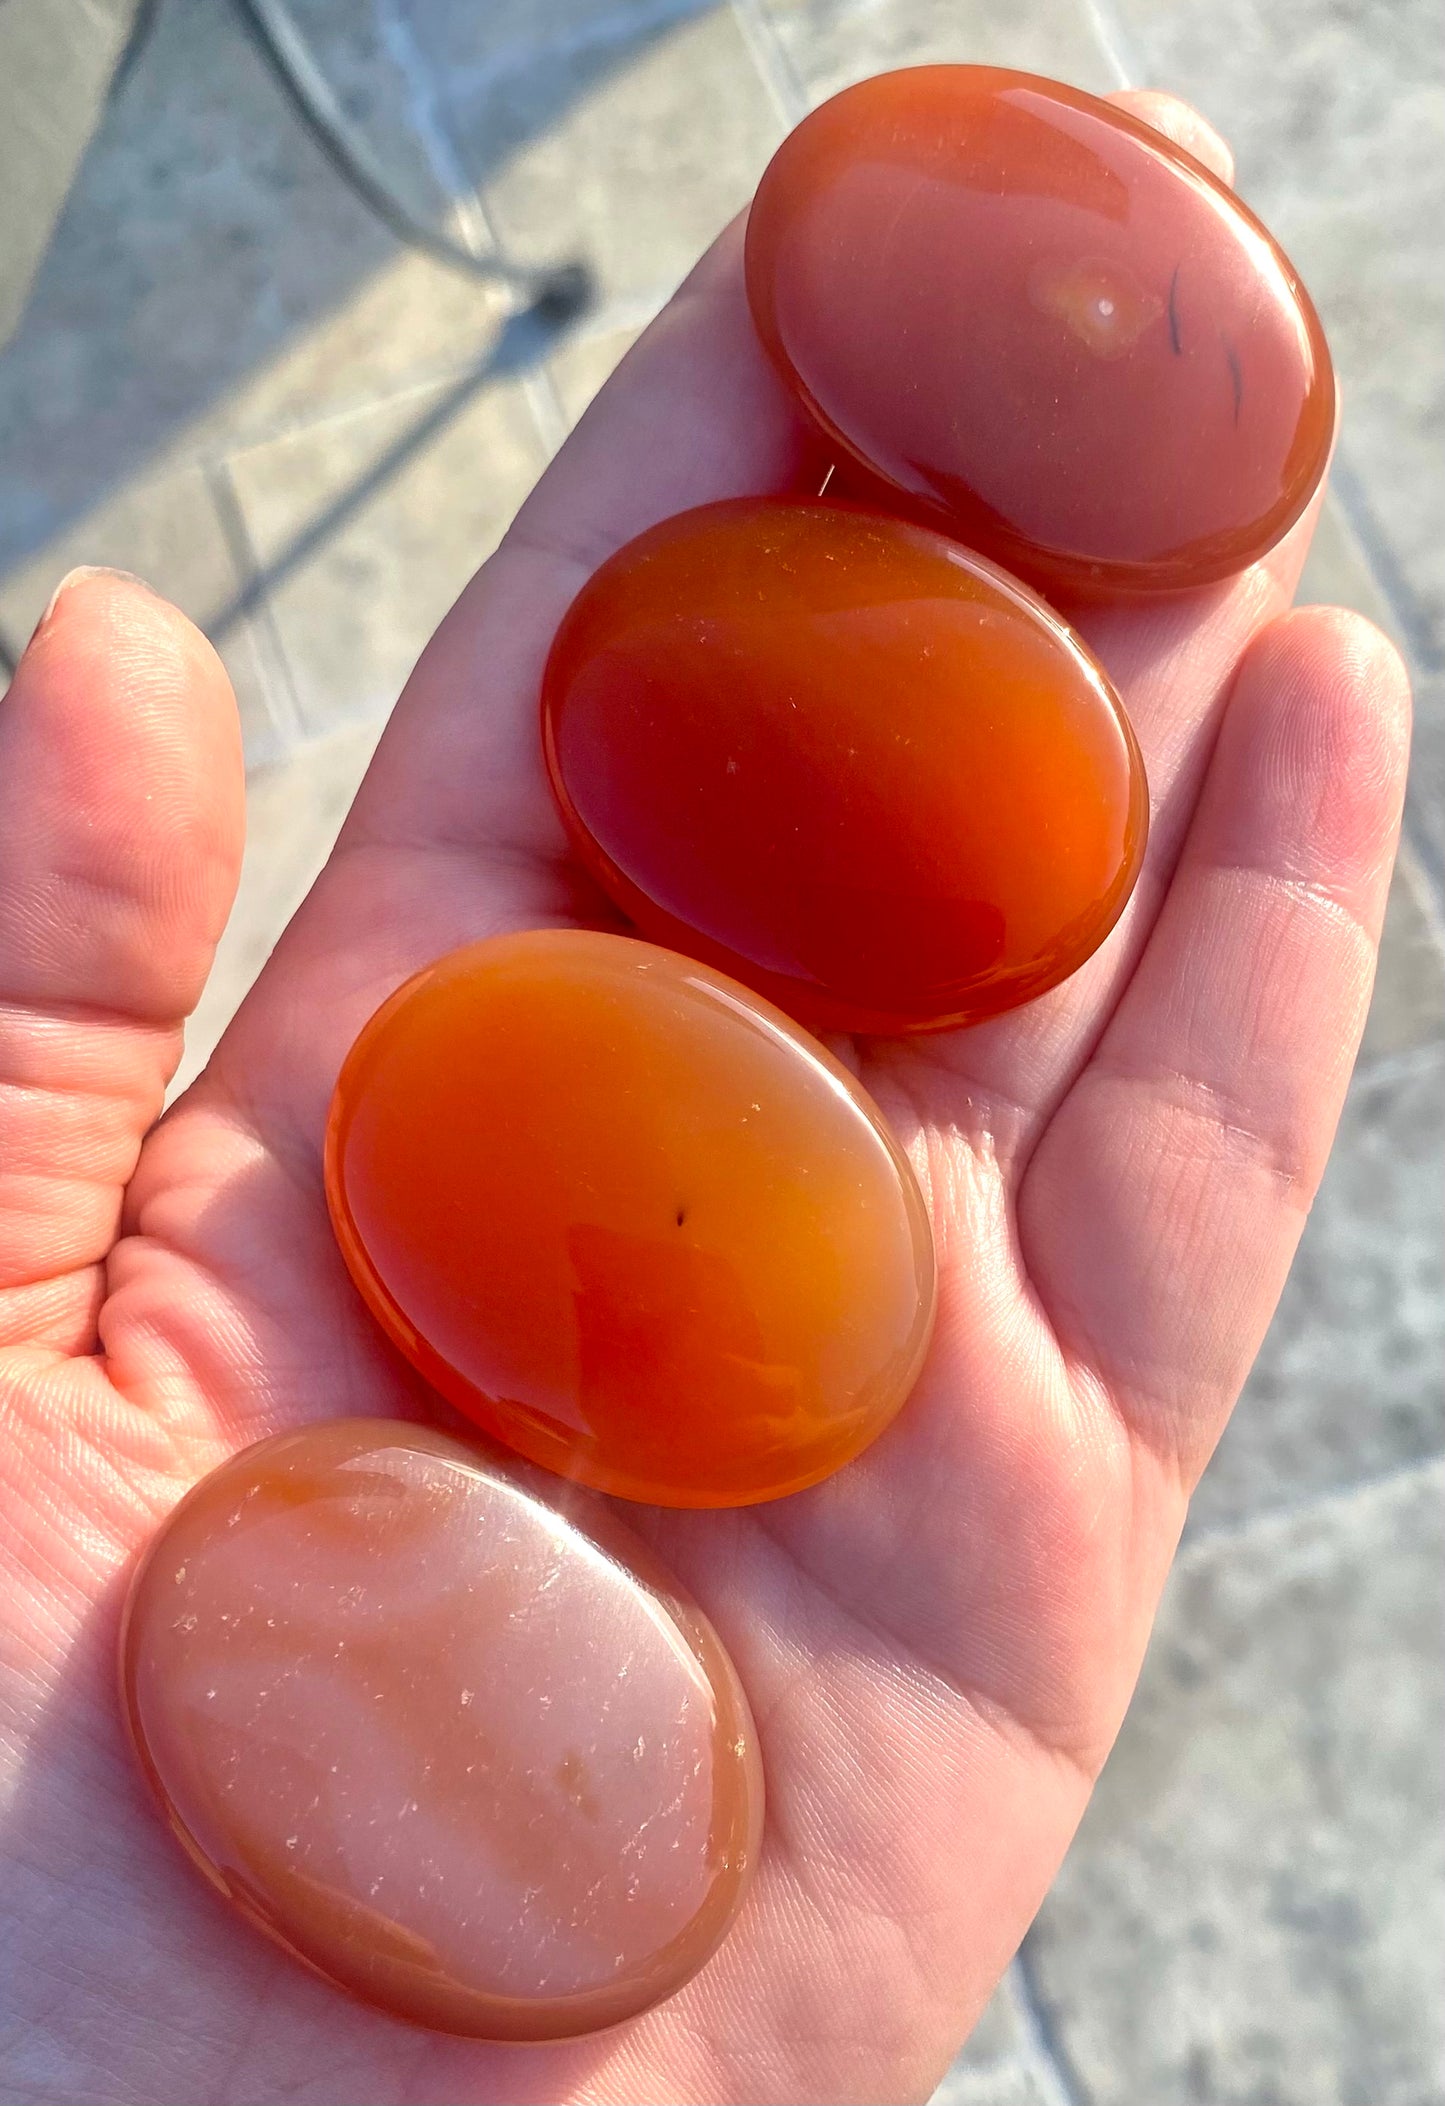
column 630, row 1220
column 840, row 757
column 478, row 1761
column 1033, row 316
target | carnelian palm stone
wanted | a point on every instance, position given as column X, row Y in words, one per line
column 1033, row 318
column 629, row 1219
column 480, row 1762
column 845, row 760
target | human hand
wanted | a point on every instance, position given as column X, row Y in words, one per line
column 940, row 1642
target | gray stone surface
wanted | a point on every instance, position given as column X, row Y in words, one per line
column 1004, row 2062
column 169, row 529
column 631, row 142
column 1408, row 1007
column 57, row 62
column 380, row 62
column 579, row 368
column 368, row 525
column 828, row 44
column 1348, row 1384
column 1252, row 1912
column 1337, row 573
column 294, row 813
column 1425, row 805
column 212, row 281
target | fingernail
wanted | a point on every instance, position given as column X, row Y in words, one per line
column 81, row 572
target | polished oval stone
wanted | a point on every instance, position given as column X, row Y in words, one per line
column 480, row 1762
column 845, row 760
column 1034, row 317
column 629, row 1220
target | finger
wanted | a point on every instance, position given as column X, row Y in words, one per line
column 1180, row 122
column 121, row 819
column 1161, row 1210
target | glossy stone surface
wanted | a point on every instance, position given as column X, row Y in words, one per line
column 479, row 1762
column 630, row 1220
column 1031, row 315
column 838, row 756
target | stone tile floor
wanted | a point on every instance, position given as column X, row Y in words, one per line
column 231, row 379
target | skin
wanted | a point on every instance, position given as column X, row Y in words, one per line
column 940, row 1643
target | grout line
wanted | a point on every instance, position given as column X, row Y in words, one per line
column 282, row 702
column 625, row 311
column 1416, row 632
column 613, row 26
column 1114, row 42
column 1388, row 572
column 631, row 311
column 545, row 403
column 1271, row 1518
column 766, row 50
column 1042, row 2034
column 472, row 220
column 352, row 411
column 305, row 425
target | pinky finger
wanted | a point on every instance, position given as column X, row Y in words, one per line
column 1160, row 1213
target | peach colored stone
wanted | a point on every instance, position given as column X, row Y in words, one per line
column 477, row 1760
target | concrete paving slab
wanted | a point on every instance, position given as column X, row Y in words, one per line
column 828, row 44
column 1252, row 1910
column 1003, row 2064
column 168, row 529
column 1337, row 573
column 367, row 527
column 1425, row 799
column 378, row 62
column 58, row 60
column 293, row 815
column 1408, row 1008
column 629, row 144
column 205, row 232
column 1348, row 1384
column 212, row 280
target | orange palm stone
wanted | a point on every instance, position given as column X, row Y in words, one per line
column 838, row 756
column 1033, row 318
column 629, row 1219
column 477, row 1761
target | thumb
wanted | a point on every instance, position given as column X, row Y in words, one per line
column 121, row 826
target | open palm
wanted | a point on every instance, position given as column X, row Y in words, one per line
column 939, row 1643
